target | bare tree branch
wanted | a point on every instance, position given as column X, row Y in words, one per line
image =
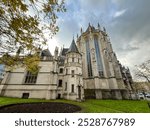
column 143, row 71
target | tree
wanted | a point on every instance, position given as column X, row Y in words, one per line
column 143, row 71
column 23, row 24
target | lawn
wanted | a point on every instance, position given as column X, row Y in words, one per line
column 92, row 106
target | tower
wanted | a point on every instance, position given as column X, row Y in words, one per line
column 101, row 70
column 73, row 88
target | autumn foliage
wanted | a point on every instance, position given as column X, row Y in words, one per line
column 23, row 24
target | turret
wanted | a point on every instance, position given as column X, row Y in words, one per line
column 73, row 77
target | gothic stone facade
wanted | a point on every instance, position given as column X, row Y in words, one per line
column 88, row 69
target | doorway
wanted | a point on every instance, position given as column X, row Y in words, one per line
column 59, row 96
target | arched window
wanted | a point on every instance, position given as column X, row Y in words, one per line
column 88, row 58
column 66, row 71
column 98, row 56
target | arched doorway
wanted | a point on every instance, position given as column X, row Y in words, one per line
column 59, row 96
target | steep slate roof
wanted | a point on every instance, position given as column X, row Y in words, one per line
column 64, row 51
column 46, row 52
column 73, row 47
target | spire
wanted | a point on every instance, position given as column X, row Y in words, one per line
column 89, row 29
column 73, row 36
column 104, row 29
column 99, row 27
column 73, row 47
column 89, row 24
column 81, row 30
column 77, row 36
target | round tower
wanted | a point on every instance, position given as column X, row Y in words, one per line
column 73, row 88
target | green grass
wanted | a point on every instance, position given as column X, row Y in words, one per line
column 92, row 106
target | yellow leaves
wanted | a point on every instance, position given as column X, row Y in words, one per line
column 2, row 12
column 23, row 7
column 22, row 28
column 31, row 63
column 14, row 5
column 52, row 2
column 47, row 8
column 9, row 61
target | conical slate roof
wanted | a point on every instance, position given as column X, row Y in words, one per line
column 64, row 51
column 46, row 52
column 73, row 47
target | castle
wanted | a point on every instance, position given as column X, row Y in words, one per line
column 88, row 69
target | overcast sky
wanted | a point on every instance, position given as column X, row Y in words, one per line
column 126, row 21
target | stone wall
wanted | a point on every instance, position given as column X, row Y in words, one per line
column 106, row 94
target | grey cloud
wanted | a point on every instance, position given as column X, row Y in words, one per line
column 129, row 33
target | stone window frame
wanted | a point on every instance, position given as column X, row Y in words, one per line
column 88, row 58
column 98, row 56
column 61, row 70
column 60, row 83
column 30, row 78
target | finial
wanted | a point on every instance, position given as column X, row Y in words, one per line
column 81, row 30
column 73, row 36
column 89, row 24
column 99, row 26
column 77, row 36
column 104, row 29
column 89, row 28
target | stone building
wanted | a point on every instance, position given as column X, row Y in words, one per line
column 88, row 69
